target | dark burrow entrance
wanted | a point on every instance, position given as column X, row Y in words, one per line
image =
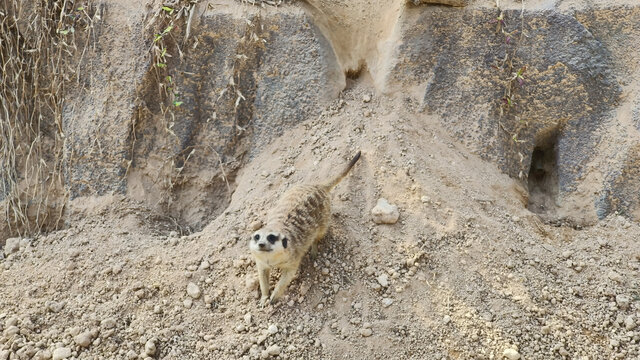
column 543, row 175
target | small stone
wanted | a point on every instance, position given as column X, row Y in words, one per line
column 256, row 225
column 240, row 328
column 188, row 303
column 511, row 354
column 116, row 269
column 623, row 301
column 150, row 347
column 446, row 319
column 385, row 213
column 272, row 329
column 366, row 332
column 208, row 299
column 383, row 280
column 204, row 265
column 425, row 199
column 325, row 271
column 629, row 323
column 366, row 98
column 61, row 353
column 84, row 339
column 11, row 330
column 173, row 234
column 386, row 302
column 247, row 318
column 12, row 245
column 369, row 270
column 193, row 290
column 615, row 276
column 108, row 323
column 4, row 354
column 566, row 254
column 273, row 350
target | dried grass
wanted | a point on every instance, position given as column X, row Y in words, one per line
column 38, row 59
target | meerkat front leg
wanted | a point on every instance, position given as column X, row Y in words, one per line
column 263, row 276
column 314, row 246
column 285, row 279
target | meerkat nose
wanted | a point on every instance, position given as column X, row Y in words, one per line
column 261, row 245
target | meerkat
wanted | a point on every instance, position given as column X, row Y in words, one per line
column 297, row 222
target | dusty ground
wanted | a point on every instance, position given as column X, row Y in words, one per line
column 467, row 272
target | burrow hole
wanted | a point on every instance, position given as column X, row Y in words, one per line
column 543, row 174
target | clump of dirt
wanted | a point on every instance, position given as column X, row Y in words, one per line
column 466, row 272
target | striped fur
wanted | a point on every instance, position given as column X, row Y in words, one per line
column 296, row 224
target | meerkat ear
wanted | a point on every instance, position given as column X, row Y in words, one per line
column 284, row 242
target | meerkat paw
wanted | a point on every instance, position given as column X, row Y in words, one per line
column 314, row 250
column 274, row 299
column 264, row 301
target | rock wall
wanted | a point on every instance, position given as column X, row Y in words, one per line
column 548, row 93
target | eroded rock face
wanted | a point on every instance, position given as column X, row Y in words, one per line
column 563, row 111
column 242, row 81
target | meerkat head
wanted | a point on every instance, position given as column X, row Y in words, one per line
column 265, row 240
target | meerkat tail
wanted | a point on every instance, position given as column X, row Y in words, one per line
column 333, row 182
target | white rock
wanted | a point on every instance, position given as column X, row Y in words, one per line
column 386, row 302
column 366, row 332
column 272, row 329
column 188, row 303
column 629, row 323
column 247, row 318
column 11, row 246
column 446, row 319
column 84, row 339
column 150, row 347
column 511, row 354
column 383, row 280
column 623, row 301
column 366, row 98
column 385, row 213
column 4, row 354
column 61, row 353
column 273, row 350
column 193, row 290
column 108, row 323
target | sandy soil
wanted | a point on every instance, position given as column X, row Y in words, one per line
column 466, row 273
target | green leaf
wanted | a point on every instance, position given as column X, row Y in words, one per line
column 167, row 9
column 168, row 78
column 166, row 31
column 81, row 8
column 161, row 65
column 177, row 103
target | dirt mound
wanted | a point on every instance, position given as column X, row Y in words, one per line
column 467, row 272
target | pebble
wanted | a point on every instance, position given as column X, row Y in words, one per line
column 256, row 225
column 383, row 280
column 84, row 339
column 61, row 353
column 247, row 318
column 446, row 319
column 385, row 213
column 108, row 323
column 188, row 303
column 629, row 323
column 386, row 302
column 193, row 290
column 12, row 245
column 204, row 265
column 511, row 354
column 150, row 347
column 623, row 301
column 272, row 329
column 366, row 98
column 273, row 350
column 366, row 332
column 615, row 276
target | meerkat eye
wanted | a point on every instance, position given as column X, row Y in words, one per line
column 272, row 238
column 284, row 243
column 256, row 237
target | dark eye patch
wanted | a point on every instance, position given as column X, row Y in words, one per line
column 272, row 238
column 284, row 243
column 256, row 237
